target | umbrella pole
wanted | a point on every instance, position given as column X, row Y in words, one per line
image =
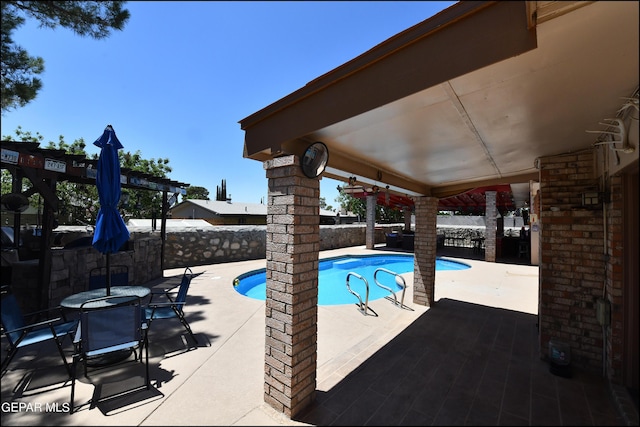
column 108, row 278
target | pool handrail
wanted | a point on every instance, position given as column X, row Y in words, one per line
column 399, row 281
column 362, row 307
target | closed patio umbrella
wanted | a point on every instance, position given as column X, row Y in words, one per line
column 110, row 231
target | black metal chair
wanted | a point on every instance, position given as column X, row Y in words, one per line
column 173, row 307
column 20, row 333
column 108, row 326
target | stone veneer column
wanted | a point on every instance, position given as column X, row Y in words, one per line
column 424, row 264
column 370, row 237
column 406, row 212
column 491, row 226
column 292, row 248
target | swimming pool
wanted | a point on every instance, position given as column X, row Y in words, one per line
column 332, row 277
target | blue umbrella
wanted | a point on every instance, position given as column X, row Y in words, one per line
column 110, row 231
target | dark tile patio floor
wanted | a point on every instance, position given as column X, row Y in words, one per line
column 464, row 364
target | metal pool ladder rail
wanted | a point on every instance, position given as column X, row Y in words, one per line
column 399, row 281
column 363, row 307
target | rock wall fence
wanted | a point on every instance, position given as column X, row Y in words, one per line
column 71, row 264
column 189, row 247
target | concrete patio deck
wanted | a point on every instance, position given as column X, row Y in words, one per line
column 471, row 359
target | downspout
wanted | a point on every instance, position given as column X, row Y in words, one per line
column 605, row 171
column 604, row 283
column 610, row 138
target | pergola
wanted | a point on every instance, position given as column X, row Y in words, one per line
column 44, row 168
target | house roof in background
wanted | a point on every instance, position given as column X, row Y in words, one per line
column 171, row 223
column 222, row 208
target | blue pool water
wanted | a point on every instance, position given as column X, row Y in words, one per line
column 332, row 277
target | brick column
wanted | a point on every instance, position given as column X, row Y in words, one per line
column 292, row 248
column 424, row 264
column 491, row 226
column 573, row 262
column 370, row 237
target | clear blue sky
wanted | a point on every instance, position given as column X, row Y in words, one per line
column 181, row 75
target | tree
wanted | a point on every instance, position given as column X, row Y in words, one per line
column 348, row 203
column 389, row 215
column 384, row 214
column 221, row 191
column 96, row 19
column 324, row 205
column 198, row 193
column 142, row 203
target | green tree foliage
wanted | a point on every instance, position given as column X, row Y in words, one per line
column 358, row 206
column 348, row 203
column 142, row 203
column 95, row 19
column 324, row 205
column 389, row 215
column 79, row 203
column 195, row 192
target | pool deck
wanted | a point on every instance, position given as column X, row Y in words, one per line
column 471, row 359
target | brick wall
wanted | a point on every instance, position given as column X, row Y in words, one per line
column 572, row 267
column 615, row 280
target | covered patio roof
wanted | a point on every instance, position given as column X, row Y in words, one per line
column 469, row 98
column 472, row 201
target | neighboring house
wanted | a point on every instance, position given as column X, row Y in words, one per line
column 217, row 212
column 28, row 218
column 170, row 224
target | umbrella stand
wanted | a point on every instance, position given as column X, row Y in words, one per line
column 108, row 278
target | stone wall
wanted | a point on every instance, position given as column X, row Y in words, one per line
column 71, row 268
column 189, row 247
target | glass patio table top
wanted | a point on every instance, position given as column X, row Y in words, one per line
column 76, row 300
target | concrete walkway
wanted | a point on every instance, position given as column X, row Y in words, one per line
column 471, row 359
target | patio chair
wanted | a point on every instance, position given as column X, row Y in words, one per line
column 172, row 307
column 108, row 326
column 19, row 333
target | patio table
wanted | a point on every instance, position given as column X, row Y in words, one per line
column 76, row 300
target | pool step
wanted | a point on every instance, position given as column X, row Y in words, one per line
column 348, row 264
